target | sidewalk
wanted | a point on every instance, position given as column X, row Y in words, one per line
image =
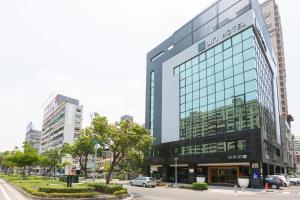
column 102, row 180
column 211, row 188
column 227, row 189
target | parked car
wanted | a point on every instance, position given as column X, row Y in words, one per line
column 293, row 180
column 274, row 182
column 143, row 181
column 285, row 181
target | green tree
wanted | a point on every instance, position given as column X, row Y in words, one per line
column 53, row 158
column 26, row 158
column 122, row 139
column 6, row 162
column 82, row 148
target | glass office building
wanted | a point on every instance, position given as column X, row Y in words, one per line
column 211, row 98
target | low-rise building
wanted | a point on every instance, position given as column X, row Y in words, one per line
column 297, row 152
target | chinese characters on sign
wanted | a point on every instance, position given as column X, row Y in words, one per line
column 237, row 157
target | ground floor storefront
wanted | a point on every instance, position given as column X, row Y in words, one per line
column 216, row 173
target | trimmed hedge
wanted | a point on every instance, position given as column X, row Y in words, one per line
column 106, row 188
column 120, row 192
column 51, row 189
column 199, row 186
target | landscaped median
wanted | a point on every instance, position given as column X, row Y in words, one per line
column 47, row 188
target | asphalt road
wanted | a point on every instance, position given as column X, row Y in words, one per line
column 9, row 193
column 164, row 193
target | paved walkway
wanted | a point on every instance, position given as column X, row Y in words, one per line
column 9, row 193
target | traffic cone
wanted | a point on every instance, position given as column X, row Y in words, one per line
column 266, row 187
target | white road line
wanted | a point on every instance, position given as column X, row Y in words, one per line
column 4, row 193
column 285, row 192
column 131, row 196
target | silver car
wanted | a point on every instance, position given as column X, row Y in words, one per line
column 143, row 181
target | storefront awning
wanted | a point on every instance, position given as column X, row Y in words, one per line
column 179, row 165
column 223, row 164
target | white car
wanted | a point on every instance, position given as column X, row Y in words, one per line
column 293, row 180
column 285, row 181
column 143, row 181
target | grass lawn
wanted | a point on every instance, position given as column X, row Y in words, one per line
column 43, row 187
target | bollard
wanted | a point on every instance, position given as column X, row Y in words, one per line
column 235, row 189
column 243, row 188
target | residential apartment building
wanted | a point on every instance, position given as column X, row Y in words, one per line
column 61, row 123
column 273, row 22
column 211, row 98
column 33, row 136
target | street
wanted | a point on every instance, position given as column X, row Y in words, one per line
column 165, row 193
column 9, row 193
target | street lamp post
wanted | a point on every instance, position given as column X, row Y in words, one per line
column 95, row 157
column 95, row 162
column 176, row 159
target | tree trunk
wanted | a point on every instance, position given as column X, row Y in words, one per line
column 54, row 173
column 85, row 167
column 24, row 173
column 111, row 168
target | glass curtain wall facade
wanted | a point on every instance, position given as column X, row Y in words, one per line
column 226, row 89
column 216, row 104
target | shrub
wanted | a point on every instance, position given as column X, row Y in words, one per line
column 185, row 186
column 106, row 188
column 199, row 186
column 51, row 189
column 72, row 195
column 120, row 192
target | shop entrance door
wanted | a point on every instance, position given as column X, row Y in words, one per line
column 222, row 175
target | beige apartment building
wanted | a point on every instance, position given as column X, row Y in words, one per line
column 273, row 21
column 62, row 122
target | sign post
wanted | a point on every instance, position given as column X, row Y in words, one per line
column 70, row 171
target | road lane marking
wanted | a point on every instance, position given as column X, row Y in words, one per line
column 131, row 196
column 4, row 193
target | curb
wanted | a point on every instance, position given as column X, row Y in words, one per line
column 31, row 197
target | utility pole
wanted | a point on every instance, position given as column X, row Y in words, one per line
column 176, row 159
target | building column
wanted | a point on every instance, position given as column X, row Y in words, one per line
column 285, row 171
column 165, row 173
column 192, row 173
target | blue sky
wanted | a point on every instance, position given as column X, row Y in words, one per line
column 95, row 51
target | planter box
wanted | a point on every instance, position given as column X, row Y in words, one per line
column 244, row 182
column 200, row 179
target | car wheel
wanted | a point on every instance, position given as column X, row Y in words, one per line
column 274, row 186
column 293, row 183
column 144, row 184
